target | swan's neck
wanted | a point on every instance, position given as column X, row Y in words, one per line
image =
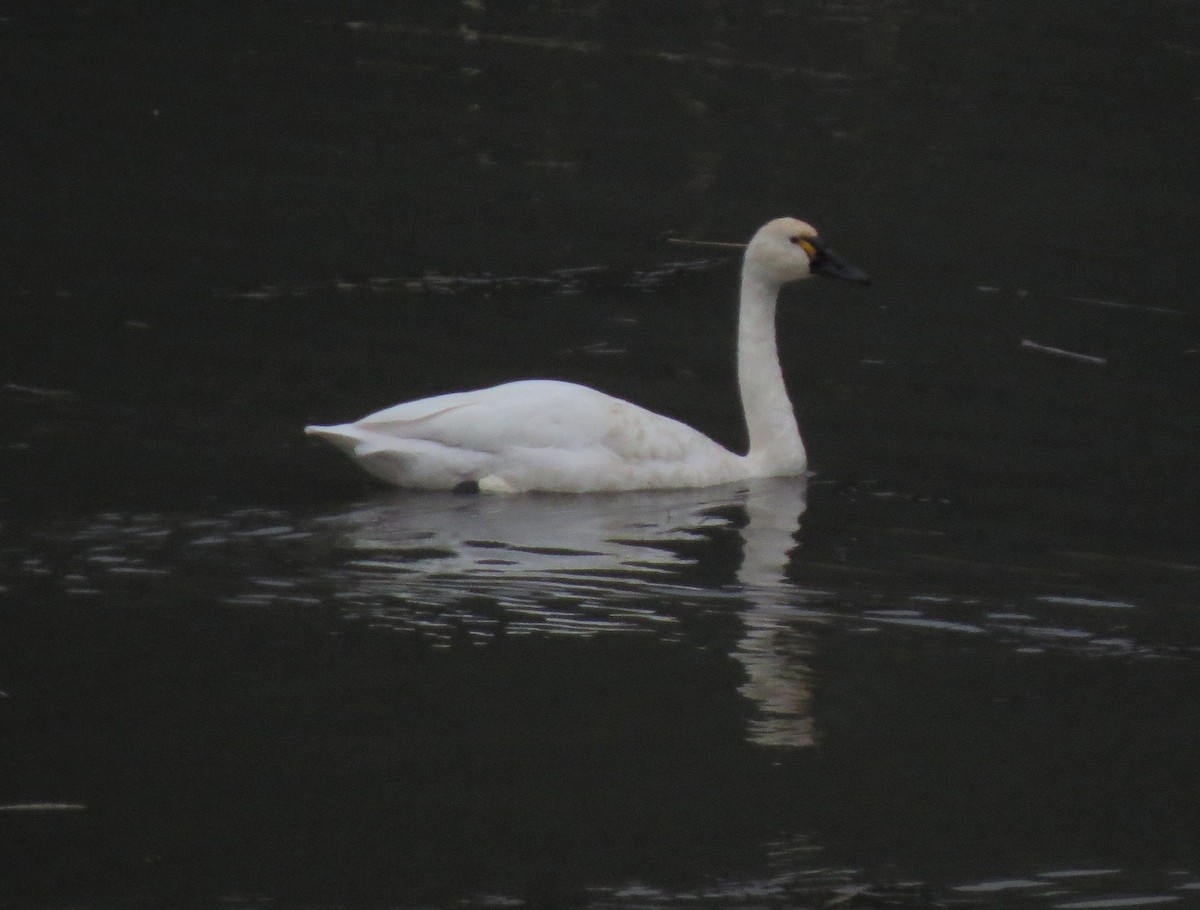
column 775, row 446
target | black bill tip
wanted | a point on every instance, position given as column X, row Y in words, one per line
column 831, row 265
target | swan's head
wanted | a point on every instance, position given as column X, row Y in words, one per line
column 787, row 249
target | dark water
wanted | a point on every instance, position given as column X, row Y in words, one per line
column 959, row 666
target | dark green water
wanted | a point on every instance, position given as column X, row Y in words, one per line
column 960, row 665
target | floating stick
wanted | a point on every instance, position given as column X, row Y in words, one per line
column 686, row 241
column 1028, row 345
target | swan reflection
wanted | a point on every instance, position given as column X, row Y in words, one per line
column 485, row 566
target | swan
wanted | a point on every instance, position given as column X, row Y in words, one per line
column 551, row 436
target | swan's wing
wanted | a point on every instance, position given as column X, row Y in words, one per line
column 541, row 414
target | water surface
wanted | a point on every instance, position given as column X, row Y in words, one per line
column 959, row 663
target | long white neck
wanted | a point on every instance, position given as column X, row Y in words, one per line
column 775, row 445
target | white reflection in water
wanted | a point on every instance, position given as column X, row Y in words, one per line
column 583, row 564
column 777, row 681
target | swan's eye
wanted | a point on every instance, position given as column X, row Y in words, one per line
column 805, row 244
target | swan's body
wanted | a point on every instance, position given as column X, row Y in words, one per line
column 557, row 436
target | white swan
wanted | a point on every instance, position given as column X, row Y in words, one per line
column 546, row 435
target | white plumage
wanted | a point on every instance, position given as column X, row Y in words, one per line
column 547, row 435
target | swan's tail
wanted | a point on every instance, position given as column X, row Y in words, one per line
column 383, row 457
column 347, row 437
column 416, row 463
